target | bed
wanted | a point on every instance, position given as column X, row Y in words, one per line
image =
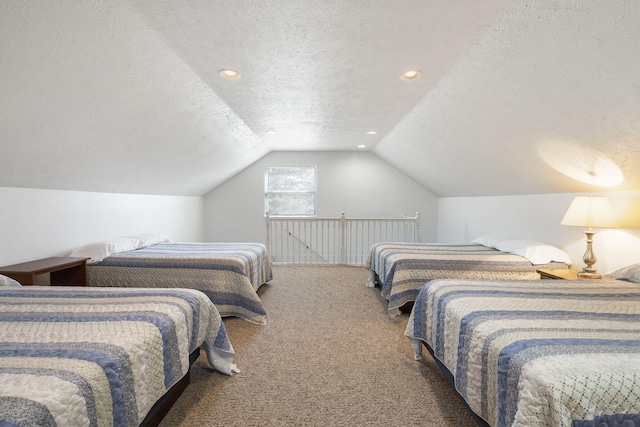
column 228, row 273
column 85, row 356
column 536, row 353
column 401, row 269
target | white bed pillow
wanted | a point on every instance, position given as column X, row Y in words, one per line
column 630, row 273
column 100, row 250
column 8, row 281
column 148, row 239
column 489, row 240
column 536, row 252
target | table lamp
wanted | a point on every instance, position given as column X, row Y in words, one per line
column 589, row 211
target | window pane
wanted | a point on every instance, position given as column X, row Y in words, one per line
column 291, row 203
column 291, row 178
column 290, row 190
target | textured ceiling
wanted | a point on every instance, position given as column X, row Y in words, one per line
column 516, row 96
column 547, row 101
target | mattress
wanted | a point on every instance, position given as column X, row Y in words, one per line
column 536, row 353
column 228, row 273
column 403, row 268
column 77, row 356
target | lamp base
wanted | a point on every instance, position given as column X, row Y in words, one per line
column 589, row 259
column 589, row 273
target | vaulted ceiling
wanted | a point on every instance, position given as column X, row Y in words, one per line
column 515, row 96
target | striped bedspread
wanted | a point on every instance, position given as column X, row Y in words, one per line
column 537, row 353
column 72, row 356
column 228, row 273
column 403, row 268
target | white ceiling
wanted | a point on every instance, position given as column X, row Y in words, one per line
column 516, row 96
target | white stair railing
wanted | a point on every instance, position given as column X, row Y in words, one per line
column 305, row 240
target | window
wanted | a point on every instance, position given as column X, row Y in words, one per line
column 290, row 190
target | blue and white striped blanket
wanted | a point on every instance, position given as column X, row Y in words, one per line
column 537, row 353
column 403, row 268
column 76, row 356
column 228, row 273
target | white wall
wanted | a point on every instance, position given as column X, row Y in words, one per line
column 41, row 223
column 537, row 217
column 37, row 224
column 358, row 183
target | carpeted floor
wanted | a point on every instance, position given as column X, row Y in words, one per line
column 328, row 356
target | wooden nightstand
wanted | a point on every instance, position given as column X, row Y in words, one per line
column 558, row 274
column 61, row 271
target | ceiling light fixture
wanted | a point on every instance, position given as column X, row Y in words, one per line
column 362, row 146
column 270, row 132
column 411, row 75
column 372, row 132
column 229, row 74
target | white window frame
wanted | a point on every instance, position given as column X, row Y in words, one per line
column 268, row 191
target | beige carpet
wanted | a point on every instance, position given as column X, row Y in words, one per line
column 328, row 356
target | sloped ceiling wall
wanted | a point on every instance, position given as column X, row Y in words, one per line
column 516, row 97
column 93, row 99
column 547, row 101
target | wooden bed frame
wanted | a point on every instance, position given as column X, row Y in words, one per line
column 162, row 407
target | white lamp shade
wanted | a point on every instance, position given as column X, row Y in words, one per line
column 589, row 211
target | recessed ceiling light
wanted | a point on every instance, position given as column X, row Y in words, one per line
column 372, row 132
column 229, row 74
column 411, row 75
column 362, row 146
column 270, row 132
